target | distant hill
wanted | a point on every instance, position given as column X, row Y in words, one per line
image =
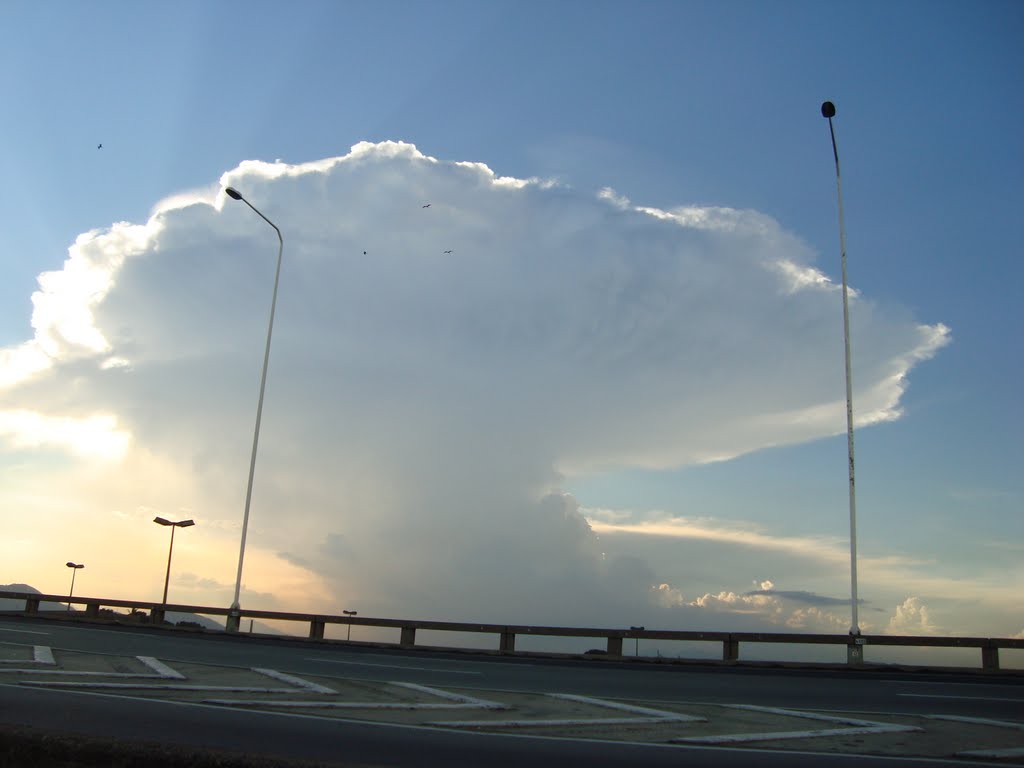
column 6, row 604
column 172, row 617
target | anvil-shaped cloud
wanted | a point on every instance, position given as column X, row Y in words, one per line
column 449, row 346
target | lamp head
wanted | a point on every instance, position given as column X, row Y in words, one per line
column 186, row 523
column 74, row 565
column 235, row 194
column 828, row 109
column 162, row 521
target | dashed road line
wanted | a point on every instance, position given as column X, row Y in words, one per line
column 457, row 697
column 41, row 654
column 995, row 754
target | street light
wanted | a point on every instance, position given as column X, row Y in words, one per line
column 234, row 616
column 349, row 613
column 828, row 111
column 637, row 638
column 179, row 524
column 74, row 569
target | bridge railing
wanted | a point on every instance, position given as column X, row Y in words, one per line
column 507, row 633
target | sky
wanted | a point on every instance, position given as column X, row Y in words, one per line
column 558, row 337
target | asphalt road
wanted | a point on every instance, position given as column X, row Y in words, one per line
column 364, row 743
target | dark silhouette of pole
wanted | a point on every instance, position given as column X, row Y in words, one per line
column 828, row 111
column 170, row 551
column 234, row 616
column 74, row 569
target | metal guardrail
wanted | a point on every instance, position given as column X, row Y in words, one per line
column 507, row 634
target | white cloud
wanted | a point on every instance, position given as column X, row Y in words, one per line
column 436, row 372
column 912, row 617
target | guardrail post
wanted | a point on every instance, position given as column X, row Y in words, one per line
column 614, row 645
column 730, row 649
column 990, row 656
column 408, row 638
column 156, row 615
column 31, row 605
column 855, row 651
column 316, row 629
column 508, row 642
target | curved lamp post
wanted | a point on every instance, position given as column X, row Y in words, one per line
column 234, row 616
column 74, row 569
column 170, row 551
column 828, row 111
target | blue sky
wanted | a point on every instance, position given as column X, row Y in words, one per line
column 668, row 103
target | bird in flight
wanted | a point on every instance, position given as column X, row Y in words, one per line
column 364, row 253
column 425, row 206
column 99, row 146
column 447, row 251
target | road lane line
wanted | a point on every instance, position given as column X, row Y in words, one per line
column 23, row 631
column 43, row 654
column 456, row 697
column 397, row 666
column 963, row 698
column 978, row 721
column 737, row 738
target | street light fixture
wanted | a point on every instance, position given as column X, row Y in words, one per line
column 637, row 629
column 179, row 524
column 828, row 111
column 234, row 616
column 349, row 613
column 74, row 569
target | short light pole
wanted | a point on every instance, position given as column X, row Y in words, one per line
column 170, row 551
column 636, row 651
column 74, row 569
column 349, row 614
column 828, row 111
column 234, row 616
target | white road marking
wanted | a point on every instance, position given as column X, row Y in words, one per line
column 160, row 668
column 406, row 705
column 737, row 738
column 997, row 754
column 655, row 713
column 305, row 685
column 156, row 686
column 978, row 721
column 854, row 726
column 963, row 698
column 571, row 722
column 474, row 702
column 41, row 654
column 397, row 666
column 23, row 631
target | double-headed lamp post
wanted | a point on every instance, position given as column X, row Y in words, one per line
column 170, row 551
column 74, row 569
column 828, row 111
column 234, row 617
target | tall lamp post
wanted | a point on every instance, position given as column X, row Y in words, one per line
column 234, row 616
column 350, row 614
column 170, row 551
column 74, row 569
column 828, row 111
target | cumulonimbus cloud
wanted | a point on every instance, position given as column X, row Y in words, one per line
column 449, row 344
